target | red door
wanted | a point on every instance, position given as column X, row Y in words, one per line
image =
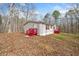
column 31, row 31
column 57, row 30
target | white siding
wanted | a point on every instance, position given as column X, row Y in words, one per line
column 50, row 30
column 30, row 25
column 42, row 30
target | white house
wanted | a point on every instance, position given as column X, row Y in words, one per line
column 42, row 28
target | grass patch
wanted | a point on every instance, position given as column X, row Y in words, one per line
column 59, row 37
column 71, row 35
column 63, row 36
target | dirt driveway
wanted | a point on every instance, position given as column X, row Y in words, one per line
column 17, row 44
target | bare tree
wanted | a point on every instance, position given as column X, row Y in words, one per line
column 71, row 20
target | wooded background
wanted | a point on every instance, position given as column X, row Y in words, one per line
column 13, row 21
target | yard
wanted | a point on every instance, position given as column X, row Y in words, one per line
column 13, row 44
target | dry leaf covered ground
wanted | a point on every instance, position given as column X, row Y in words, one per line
column 17, row 44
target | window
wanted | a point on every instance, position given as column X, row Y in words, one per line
column 47, row 27
column 51, row 26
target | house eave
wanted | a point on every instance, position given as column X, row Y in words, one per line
column 37, row 22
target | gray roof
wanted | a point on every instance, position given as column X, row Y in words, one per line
column 38, row 22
